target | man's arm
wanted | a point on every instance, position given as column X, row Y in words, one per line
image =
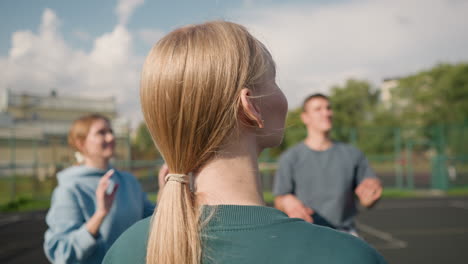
column 293, row 207
column 283, row 189
column 369, row 188
column 369, row 192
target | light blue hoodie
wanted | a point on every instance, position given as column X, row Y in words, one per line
column 74, row 202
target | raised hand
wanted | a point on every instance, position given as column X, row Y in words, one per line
column 104, row 201
column 105, row 193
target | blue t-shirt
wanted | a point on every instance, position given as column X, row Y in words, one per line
column 324, row 181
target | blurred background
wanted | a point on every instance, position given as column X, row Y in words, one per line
column 396, row 73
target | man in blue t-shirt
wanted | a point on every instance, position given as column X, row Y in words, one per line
column 319, row 180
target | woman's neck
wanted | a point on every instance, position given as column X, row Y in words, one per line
column 232, row 177
column 102, row 164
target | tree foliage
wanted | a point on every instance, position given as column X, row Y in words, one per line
column 354, row 104
column 425, row 101
column 421, row 103
column 435, row 96
column 143, row 147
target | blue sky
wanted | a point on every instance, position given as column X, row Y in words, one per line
column 95, row 48
column 96, row 18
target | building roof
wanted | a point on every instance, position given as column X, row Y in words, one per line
column 36, row 116
column 53, row 101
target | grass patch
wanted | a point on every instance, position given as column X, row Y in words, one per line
column 391, row 193
column 268, row 197
column 152, row 197
column 398, row 193
column 27, row 203
column 458, row 191
column 24, row 204
column 25, row 187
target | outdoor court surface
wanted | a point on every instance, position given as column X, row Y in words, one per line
column 423, row 230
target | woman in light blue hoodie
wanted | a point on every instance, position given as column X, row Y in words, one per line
column 93, row 204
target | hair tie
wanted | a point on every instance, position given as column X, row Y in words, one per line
column 182, row 178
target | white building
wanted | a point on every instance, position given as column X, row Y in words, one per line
column 34, row 128
column 385, row 90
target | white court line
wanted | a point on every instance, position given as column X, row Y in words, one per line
column 387, row 237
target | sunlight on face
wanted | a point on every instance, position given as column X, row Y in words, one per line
column 273, row 107
column 318, row 115
column 100, row 141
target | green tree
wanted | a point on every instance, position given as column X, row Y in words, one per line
column 435, row 99
column 354, row 104
column 142, row 146
column 438, row 95
column 294, row 133
column 427, row 104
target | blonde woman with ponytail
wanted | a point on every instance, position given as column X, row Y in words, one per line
column 211, row 103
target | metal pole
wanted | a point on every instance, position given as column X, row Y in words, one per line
column 398, row 157
column 35, row 169
column 442, row 168
column 409, row 164
column 12, row 144
column 353, row 135
column 129, row 153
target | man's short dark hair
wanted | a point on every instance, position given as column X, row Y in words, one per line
column 313, row 96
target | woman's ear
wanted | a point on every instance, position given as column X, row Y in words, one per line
column 249, row 112
column 79, row 144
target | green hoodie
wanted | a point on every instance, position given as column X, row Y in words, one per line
column 255, row 234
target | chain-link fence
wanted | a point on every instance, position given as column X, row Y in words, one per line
column 404, row 158
column 28, row 166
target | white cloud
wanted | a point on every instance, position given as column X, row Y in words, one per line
column 316, row 46
column 43, row 61
column 112, row 49
column 125, row 9
column 82, row 35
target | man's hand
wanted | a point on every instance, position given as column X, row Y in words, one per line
column 369, row 192
column 293, row 207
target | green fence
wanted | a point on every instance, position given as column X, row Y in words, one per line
column 414, row 157
column 30, row 186
column 28, row 166
column 404, row 158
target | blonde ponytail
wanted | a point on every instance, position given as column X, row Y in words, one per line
column 190, row 88
column 175, row 225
